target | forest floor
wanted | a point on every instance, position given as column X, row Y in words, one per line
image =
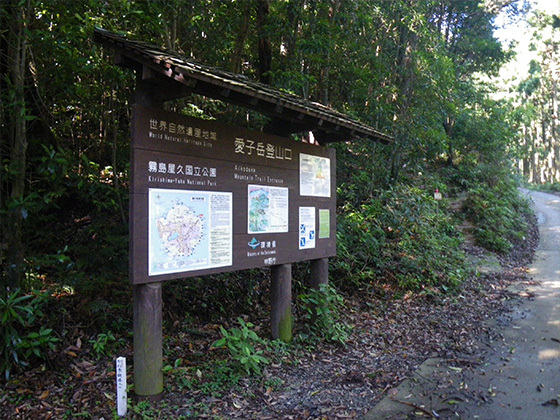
column 391, row 337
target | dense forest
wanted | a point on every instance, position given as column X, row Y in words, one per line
column 535, row 95
column 426, row 73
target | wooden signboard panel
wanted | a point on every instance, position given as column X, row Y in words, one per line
column 209, row 198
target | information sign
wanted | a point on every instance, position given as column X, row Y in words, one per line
column 209, row 198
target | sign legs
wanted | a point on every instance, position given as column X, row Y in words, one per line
column 319, row 272
column 148, row 340
column 281, row 295
column 281, row 302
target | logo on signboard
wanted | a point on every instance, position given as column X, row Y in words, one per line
column 254, row 243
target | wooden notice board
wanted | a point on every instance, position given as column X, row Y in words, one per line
column 208, row 198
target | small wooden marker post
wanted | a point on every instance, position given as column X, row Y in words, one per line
column 120, row 366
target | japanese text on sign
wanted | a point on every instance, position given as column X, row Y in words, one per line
column 172, row 168
column 265, row 150
column 181, row 129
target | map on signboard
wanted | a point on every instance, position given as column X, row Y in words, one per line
column 184, row 228
column 314, row 176
column 268, row 209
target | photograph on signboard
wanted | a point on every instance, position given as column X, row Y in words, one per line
column 314, row 176
column 268, row 209
column 188, row 230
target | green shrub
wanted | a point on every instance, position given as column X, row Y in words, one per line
column 212, row 378
column 21, row 338
column 86, row 246
column 103, row 344
column 498, row 214
column 322, row 309
column 242, row 345
column 401, row 237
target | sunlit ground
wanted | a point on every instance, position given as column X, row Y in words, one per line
column 549, row 354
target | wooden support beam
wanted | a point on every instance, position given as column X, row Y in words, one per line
column 319, row 272
column 281, row 302
column 146, row 94
column 149, row 74
column 125, row 61
column 148, row 344
column 147, row 304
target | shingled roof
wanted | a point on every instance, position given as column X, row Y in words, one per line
column 177, row 77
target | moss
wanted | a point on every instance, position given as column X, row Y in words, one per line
column 285, row 326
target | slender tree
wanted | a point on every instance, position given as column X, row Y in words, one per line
column 13, row 59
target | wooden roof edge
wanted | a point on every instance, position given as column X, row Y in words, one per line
column 163, row 61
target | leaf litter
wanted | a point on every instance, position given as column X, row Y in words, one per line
column 391, row 338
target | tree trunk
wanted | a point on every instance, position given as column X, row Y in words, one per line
column 264, row 45
column 448, row 127
column 13, row 57
column 289, row 42
column 240, row 40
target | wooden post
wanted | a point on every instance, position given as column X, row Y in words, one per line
column 319, row 272
column 147, row 301
column 148, row 347
column 281, row 302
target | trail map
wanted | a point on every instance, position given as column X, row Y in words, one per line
column 188, row 230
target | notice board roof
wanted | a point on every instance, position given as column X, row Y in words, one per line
column 176, row 76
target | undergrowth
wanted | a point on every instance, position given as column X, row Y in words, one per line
column 498, row 213
column 24, row 337
column 395, row 237
column 322, row 313
column 402, row 237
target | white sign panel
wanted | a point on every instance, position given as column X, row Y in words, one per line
column 314, row 176
column 307, row 232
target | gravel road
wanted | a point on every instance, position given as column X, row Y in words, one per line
column 522, row 377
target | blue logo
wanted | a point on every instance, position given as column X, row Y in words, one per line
column 254, row 243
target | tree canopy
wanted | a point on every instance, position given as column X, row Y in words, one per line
column 410, row 69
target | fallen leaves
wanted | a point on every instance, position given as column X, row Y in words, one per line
column 553, row 402
column 391, row 338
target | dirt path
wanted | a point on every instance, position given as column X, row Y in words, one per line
column 522, row 378
column 519, row 378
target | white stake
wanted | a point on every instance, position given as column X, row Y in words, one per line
column 121, row 386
